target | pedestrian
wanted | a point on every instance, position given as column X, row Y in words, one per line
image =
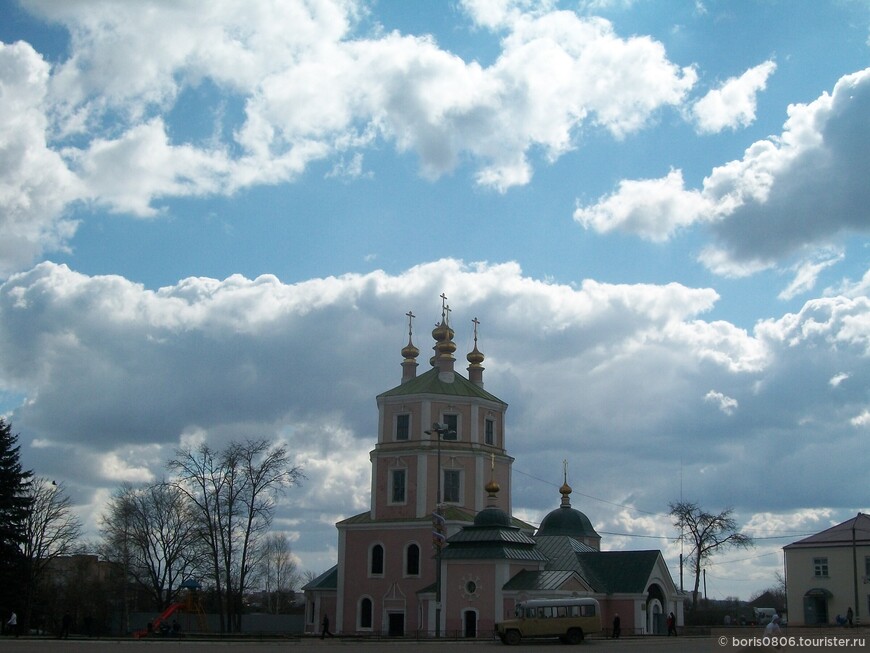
column 772, row 629
column 13, row 623
column 849, row 616
column 325, row 630
column 672, row 624
column 65, row 625
column 617, row 627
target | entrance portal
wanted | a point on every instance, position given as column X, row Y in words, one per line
column 396, row 624
column 470, row 623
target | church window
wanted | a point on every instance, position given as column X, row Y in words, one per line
column 452, row 422
column 820, row 566
column 376, row 560
column 365, row 613
column 397, row 485
column 489, row 432
column 403, row 426
column 412, row 560
column 452, row 486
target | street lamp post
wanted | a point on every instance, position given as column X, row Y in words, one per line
column 440, row 431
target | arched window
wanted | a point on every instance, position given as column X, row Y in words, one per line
column 376, row 567
column 412, row 560
column 365, row 613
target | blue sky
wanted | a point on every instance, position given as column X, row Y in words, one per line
column 213, row 222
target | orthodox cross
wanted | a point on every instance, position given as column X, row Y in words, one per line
column 565, row 469
column 476, row 322
column 411, row 316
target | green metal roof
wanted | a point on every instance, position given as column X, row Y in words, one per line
column 429, row 383
column 617, row 572
column 328, row 580
column 541, row 581
column 489, row 551
column 561, row 551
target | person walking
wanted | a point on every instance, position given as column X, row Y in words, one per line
column 13, row 623
column 617, row 626
column 325, row 624
column 672, row 624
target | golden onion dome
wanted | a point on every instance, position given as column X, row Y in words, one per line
column 475, row 357
column 409, row 351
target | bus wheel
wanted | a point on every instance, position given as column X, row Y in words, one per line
column 512, row 637
column 574, row 636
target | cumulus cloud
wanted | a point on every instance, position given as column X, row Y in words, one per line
column 798, row 190
column 35, row 183
column 113, row 376
column 733, row 104
column 305, row 82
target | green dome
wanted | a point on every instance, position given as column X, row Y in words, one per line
column 565, row 520
column 492, row 516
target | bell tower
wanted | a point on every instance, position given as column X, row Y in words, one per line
column 438, row 428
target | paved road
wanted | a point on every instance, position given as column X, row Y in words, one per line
column 625, row 645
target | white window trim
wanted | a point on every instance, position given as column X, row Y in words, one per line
column 458, row 423
column 405, row 573
column 396, row 426
column 390, row 501
column 383, row 560
column 359, row 603
column 461, row 473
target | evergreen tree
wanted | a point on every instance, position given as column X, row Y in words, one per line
column 14, row 507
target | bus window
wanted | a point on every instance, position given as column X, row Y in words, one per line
column 587, row 610
column 561, row 611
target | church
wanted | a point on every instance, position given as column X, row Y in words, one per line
column 439, row 552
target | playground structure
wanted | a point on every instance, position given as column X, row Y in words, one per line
column 190, row 605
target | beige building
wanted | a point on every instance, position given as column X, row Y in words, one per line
column 828, row 573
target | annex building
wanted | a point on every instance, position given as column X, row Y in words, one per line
column 828, row 574
column 439, row 552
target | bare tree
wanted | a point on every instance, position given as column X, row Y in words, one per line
column 52, row 530
column 152, row 531
column 707, row 534
column 277, row 571
column 234, row 490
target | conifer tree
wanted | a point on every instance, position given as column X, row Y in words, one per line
column 14, row 506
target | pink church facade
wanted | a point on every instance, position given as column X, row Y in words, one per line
column 441, row 434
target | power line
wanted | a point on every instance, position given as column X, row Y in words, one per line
column 589, row 496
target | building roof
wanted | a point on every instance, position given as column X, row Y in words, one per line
column 618, row 572
column 430, row 383
column 545, row 581
column 566, row 520
column 561, row 551
column 839, row 535
column 328, row 580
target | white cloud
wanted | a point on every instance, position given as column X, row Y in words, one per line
column 650, row 208
column 807, row 272
column 837, row 379
column 733, row 104
column 114, row 376
column 726, row 404
column 797, row 190
column 35, row 184
column 306, row 85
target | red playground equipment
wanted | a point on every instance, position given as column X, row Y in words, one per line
column 190, row 605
